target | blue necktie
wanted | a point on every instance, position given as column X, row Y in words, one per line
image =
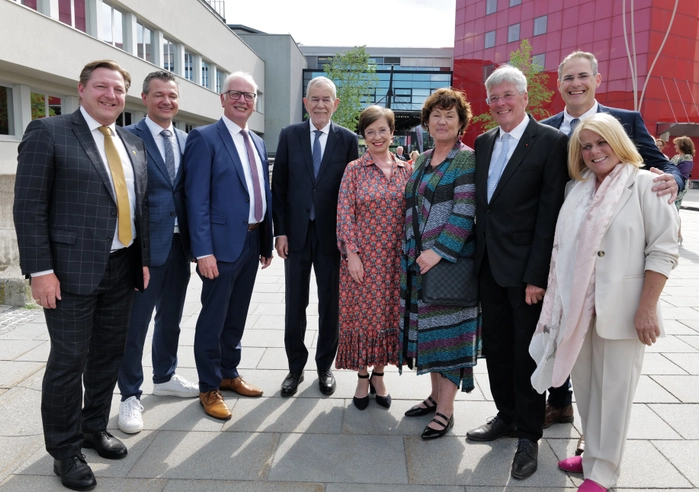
column 317, row 158
column 573, row 123
column 317, row 155
column 169, row 155
column 497, row 167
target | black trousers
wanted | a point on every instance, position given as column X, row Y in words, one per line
column 508, row 325
column 297, row 272
column 88, row 334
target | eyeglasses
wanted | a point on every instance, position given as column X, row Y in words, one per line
column 582, row 76
column 235, row 95
column 382, row 132
column 507, row 97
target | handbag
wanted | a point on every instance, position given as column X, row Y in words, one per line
column 446, row 283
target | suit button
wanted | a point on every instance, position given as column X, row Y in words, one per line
column 247, row 200
column 114, row 212
column 600, row 253
column 110, row 238
column 172, row 214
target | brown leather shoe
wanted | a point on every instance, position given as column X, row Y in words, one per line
column 558, row 415
column 213, row 404
column 240, row 386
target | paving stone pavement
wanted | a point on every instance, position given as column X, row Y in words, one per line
column 313, row 443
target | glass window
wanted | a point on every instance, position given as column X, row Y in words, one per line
column 220, row 77
column 205, row 73
column 540, row 25
column 168, row 55
column 515, row 2
column 29, row 3
column 144, row 42
column 513, row 33
column 112, row 26
column 540, row 60
column 44, row 105
column 491, row 6
column 489, row 39
column 72, row 12
column 6, row 116
column 487, row 70
column 124, row 119
column 188, row 66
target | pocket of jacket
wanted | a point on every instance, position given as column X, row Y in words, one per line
column 63, row 236
column 218, row 219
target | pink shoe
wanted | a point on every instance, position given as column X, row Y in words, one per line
column 591, row 486
column 571, row 465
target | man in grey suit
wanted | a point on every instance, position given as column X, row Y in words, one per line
column 169, row 261
column 81, row 216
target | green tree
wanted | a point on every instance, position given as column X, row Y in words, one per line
column 355, row 79
column 538, row 93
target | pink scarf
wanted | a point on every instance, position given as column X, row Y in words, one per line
column 569, row 304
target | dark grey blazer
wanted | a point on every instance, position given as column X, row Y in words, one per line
column 64, row 210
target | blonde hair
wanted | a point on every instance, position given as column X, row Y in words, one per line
column 610, row 129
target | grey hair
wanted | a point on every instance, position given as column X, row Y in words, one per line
column 506, row 74
column 162, row 75
column 579, row 54
column 323, row 81
column 239, row 75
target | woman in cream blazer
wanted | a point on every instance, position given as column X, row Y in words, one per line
column 615, row 245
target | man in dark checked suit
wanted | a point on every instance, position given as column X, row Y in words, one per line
column 169, row 259
column 81, row 217
column 521, row 172
column 229, row 206
column 308, row 167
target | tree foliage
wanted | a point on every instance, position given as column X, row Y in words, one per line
column 355, row 79
column 538, row 93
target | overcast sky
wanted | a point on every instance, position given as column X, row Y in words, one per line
column 379, row 23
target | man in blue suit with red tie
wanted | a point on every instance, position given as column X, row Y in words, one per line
column 229, row 207
column 578, row 78
column 170, row 258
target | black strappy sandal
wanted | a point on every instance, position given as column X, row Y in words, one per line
column 384, row 401
column 417, row 411
column 361, row 403
column 430, row 433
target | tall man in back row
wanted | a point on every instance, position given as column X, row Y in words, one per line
column 578, row 79
column 309, row 164
column 81, row 215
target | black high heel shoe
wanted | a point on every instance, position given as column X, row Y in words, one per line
column 430, row 433
column 361, row 403
column 384, row 401
column 420, row 411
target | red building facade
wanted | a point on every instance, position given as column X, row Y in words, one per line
column 659, row 42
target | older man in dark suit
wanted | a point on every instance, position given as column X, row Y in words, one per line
column 578, row 79
column 309, row 164
column 169, row 260
column 520, row 177
column 81, row 217
column 229, row 207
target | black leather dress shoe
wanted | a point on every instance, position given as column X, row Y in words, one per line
column 525, row 462
column 491, row 430
column 106, row 445
column 291, row 383
column 326, row 382
column 75, row 473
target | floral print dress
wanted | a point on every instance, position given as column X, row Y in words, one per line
column 370, row 211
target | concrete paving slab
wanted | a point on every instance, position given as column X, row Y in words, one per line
column 16, row 450
column 340, row 458
column 683, row 456
column 287, row 415
column 643, row 466
column 692, row 323
column 270, row 320
column 670, row 344
column 27, row 331
column 38, row 354
column 21, row 413
column 649, row 391
column 13, row 373
column 12, row 349
column 263, row 338
column 682, row 418
column 240, row 486
column 684, row 388
column 202, row 455
column 687, row 362
column 660, row 363
column 646, row 424
column 692, row 340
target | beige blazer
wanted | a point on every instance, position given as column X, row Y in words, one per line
column 642, row 235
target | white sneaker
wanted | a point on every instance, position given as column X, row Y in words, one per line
column 177, row 386
column 130, row 419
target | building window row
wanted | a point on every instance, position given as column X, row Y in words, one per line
column 513, row 32
column 6, row 114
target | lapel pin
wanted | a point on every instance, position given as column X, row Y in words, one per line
column 133, row 151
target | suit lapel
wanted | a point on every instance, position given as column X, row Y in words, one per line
column 87, row 142
column 152, row 148
column 305, row 140
column 625, row 195
column 232, row 151
column 329, row 149
column 525, row 143
column 181, row 141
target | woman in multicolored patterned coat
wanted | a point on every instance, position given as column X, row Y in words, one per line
column 440, row 340
column 369, row 231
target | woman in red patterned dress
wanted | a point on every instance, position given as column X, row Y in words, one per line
column 369, row 233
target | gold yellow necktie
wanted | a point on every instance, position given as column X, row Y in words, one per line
column 122, row 194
